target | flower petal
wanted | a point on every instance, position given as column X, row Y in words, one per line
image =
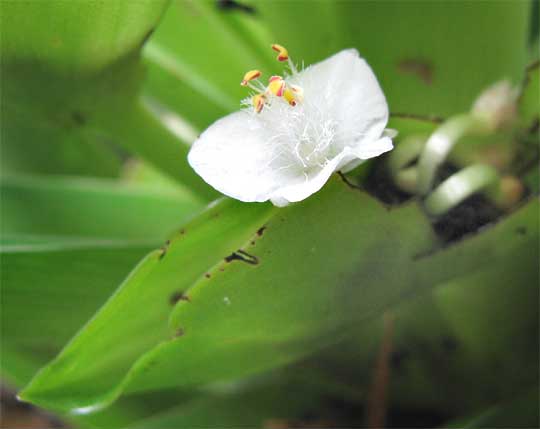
column 310, row 184
column 236, row 157
column 369, row 150
column 346, row 86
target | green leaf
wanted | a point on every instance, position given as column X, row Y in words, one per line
column 68, row 40
column 520, row 412
column 471, row 342
column 144, row 133
column 156, row 284
column 50, row 288
column 207, row 70
column 67, row 111
column 251, row 406
column 481, row 327
column 91, row 208
column 252, row 313
column 51, row 52
column 431, row 63
column 529, row 108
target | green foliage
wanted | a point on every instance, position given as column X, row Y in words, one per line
column 54, row 62
column 126, row 303
column 51, row 287
column 76, row 44
column 94, row 93
column 415, row 47
column 82, row 207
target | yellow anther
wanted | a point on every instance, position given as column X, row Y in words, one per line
column 250, row 75
column 289, row 96
column 283, row 54
column 276, row 85
column 258, row 102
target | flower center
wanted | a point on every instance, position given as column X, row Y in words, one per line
column 277, row 89
column 313, row 146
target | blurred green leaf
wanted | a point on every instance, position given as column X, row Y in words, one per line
column 206, row 71
column 50, row 288
column 75, row 37
column 86, row 207
column 470, row 343
column 69, row 109
column 51, row 52
column 433, row 62
column 519, row 412
column 529, row 108
column 457, row 333
column 251, row 406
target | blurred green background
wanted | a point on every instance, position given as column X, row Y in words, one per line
column 357, row 307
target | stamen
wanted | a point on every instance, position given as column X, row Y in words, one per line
column 292, row 67
column 250, row 75
column 276, row 85
column 283, row 54
column 289, row 96
column 258, row 102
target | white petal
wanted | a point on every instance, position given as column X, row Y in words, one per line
column 374, row 148
column 311, row 184
column 345, row 161
column 369, row 150
column 256, row 157
column 345, row 86
column 234, row 155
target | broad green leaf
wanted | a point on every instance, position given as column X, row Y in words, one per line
column 249, row 312
column 50, row 288
column 74, row 36
column 433, row 62
column 149, row 294
column 361, row 283
column 91, row 207
column 51, row 52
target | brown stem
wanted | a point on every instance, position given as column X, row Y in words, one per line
column 377, row 404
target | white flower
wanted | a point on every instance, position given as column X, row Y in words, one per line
column 304, row 127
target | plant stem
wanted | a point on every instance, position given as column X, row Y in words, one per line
column 460, row 186
column 441, row 143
